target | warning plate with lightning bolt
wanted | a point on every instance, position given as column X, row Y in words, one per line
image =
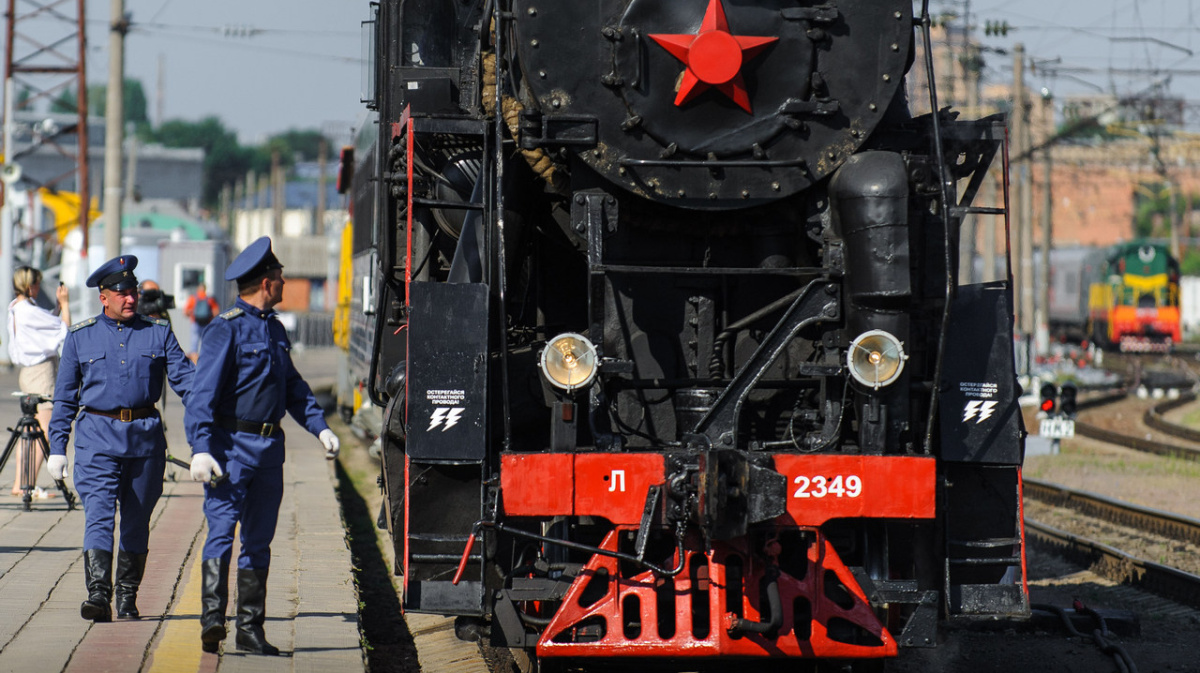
column 444, row 403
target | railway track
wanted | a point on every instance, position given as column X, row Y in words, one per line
column 1153, row 417
column 438, row 649
column 1108, row 560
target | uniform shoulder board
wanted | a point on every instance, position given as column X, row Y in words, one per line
column 232, row 313
column 83, row 323
column 157, row 321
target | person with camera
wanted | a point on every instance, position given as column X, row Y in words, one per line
column 200, row 309
column 245, row 382
column 111, row 374
column 34, row 337
column 153, row 302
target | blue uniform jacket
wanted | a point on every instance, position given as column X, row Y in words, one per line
column 109, row 365
column 245, row 372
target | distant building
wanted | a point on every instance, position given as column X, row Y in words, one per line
column 307, row 248
column 173, row 248
column 160, row 172
column 1097, row 179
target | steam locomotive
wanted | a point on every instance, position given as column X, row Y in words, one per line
column 659, row 301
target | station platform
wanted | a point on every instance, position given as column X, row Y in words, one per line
column 312, row 603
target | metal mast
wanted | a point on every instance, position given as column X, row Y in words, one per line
column 44, row 58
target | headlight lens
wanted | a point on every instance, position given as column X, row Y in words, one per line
column 876, row 359
column 569, row 361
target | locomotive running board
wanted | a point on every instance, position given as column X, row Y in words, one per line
column 609, row 614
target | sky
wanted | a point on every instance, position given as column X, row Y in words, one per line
column 301, row 71
column 1079, row 46
column 302, row 67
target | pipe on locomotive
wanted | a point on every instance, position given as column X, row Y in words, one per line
column 577, row 546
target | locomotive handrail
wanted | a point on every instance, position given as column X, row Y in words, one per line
column 713, row 270
column 449, row 205
column 977, row 210
column 494, row 236
column 946, row 191
column 715, row 163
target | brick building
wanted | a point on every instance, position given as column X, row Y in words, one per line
column 1094, row 188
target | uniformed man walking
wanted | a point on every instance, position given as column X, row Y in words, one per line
column 245, row 381
column 112, row 370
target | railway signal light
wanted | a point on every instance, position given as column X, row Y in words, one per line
column 1049, row 398
column 1066, row 399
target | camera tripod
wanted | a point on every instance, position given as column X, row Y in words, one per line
column 32, row 438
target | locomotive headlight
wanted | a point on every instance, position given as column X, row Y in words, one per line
column 876, row 359
column 569, row 361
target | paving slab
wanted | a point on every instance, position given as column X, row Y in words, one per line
column 311, row 601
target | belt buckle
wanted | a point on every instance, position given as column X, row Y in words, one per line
column 125, row 415
column 267, row 430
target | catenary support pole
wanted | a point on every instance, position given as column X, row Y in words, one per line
column 114, row 129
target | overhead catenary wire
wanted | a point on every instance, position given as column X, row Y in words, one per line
column 246, row 30
column 227, row 44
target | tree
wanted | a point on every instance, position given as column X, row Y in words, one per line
column 225, row 161
column 1190, row 264
column 134, row 102
column 97, row 99
column 1152, row 202
column 65, row 103
column 295, row 143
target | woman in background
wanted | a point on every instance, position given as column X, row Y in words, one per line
column 34, row 337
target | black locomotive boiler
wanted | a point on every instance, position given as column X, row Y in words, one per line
column 660, row 302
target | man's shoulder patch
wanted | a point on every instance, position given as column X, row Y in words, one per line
column 232, row 313
column 83, row 323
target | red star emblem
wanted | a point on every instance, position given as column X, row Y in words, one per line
column 714, row 57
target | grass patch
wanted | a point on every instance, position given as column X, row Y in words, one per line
column 1192, row 418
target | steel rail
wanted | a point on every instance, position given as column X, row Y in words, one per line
column 1116, row 565
column 1158, row 522
column 1086, row 429
column 1154, row 418
column 1136, row 443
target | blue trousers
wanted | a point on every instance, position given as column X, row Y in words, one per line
column 107, row 482
column 248, row 495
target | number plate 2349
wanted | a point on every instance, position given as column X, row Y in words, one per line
column 824, row 487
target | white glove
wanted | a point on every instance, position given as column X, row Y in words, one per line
column 205, row 468
column 332, row 445
column 57, row 467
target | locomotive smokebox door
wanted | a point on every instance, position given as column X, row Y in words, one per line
column 980, row 415
column 447, row 371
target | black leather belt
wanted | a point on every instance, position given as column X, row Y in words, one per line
column 126, row 415
column 238, row 425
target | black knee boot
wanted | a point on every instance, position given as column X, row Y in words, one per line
column 252, row 612
column 213, row 601
column 97, row 571
column 130, row 568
